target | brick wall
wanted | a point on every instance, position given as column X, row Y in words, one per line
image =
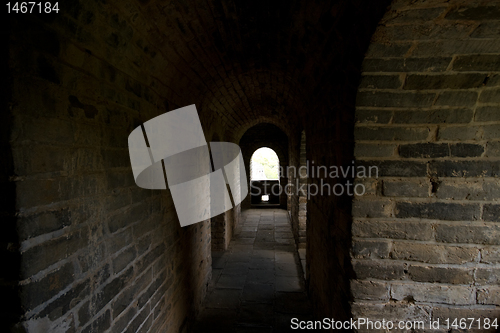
column 302, row 227
column 426, row 236
column 9, row 243
column 298, row 198
column 96, row 252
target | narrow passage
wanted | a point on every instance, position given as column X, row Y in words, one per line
column 257, row 284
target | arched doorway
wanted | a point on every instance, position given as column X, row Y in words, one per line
column 264, row 177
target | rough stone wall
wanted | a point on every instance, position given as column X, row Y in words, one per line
column 96, row 251
column 297, row 201
column 426, row 237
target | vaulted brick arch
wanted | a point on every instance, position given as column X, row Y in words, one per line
column 265, row 135
column 91, row 251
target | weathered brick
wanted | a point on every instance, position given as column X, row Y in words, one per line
column 459, row 133
column 424, row 32
column 124, row 218
column 474, row 13
column 111, row 289
column 100, row 324
column 124, row 258
column 486, row 30
column 153, row 287
column 469, row 233
column 487, row 113
column 491, row 213
column 117, row 179
column 127, row 296
column 493, row 149
column 45, row 222
column 84, row 314
column 464, row 169
column 490, row 255
column 433, row 254
column 448, row 47
column 37, row 192
column 34, row 158
column 146, row 325
column 119, row 240
column 493, row 81
column 143, row 244
column 376, row 50
column 466, row 150
column 438, row 211
column 433, row 64
column 373, row 116
column 490, row 96
column 398, row 188
column 374, row 150
column 390, row 133
column 150, row 256
column 391, row 311
column 488, row 276
column 430, row 82
column 439, row 116
column 138, row 320
column 121, row 323
column 399, row 99
column 393, row 229
column 92, row 257
column 144, row 226
column 457, row 98
column 424, row 150
column 380, row 82
column 159, row 323
column 468, row 190
column 370, row 187
column 40, row 291
column 489, row 295
column 380, row 269
column 65, row 302
column 374, row 249
column 491, row 132
column 426, row 292
column 455, row 312
column 477, row 63
column 370, row 290
column 416, row 15
column 373, row 65
column 42, row 256
column 433, row 274
column 395, row 168
column 372, row 208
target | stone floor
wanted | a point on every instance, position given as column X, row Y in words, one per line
column 257, row 284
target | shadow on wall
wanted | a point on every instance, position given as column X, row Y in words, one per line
column 10, row 307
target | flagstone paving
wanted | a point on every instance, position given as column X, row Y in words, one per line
column 257, row 284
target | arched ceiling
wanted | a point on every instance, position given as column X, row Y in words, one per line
column 251, row 61
column 265, row 135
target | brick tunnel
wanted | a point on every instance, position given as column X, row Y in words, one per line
column 393, row 108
